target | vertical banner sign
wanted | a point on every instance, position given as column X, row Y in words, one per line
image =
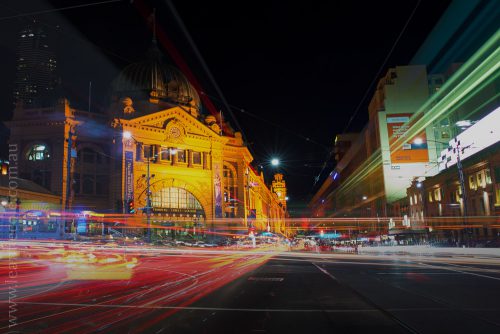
column 412, row 151
column 218, row 192
column 129, row 176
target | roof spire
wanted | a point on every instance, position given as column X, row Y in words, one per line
column 154, row 51
column 154, row 25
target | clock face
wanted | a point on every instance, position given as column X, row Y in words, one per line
column 175, row 132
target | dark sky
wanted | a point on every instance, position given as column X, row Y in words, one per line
column 299, row 69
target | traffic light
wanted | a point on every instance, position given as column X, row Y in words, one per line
column 131, row 208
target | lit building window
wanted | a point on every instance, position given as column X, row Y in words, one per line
column 197, row 158
column 437, row 194
column 175, row 198
column 472, row 183
column 487, row 176
column 165, row 154
column 480, row 179
column 230, row 191
column 38, row 152
column 181, row 156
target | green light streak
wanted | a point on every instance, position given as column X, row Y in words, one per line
column 480, row 70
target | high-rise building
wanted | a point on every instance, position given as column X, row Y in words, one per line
column 36, row 66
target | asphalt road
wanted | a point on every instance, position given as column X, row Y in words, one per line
column 86, row 289
column 351, row 294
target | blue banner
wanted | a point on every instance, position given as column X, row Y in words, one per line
column 129, row 176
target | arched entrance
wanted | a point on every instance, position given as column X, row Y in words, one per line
column 178, row 211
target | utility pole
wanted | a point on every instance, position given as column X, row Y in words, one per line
column 465, row 231
column 148, row 195
column 67, row 204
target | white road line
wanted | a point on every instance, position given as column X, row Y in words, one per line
column 215, row 309
column 325, row 272
column 461, row 271
column 416, row 273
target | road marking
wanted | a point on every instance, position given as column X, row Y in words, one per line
column 214, row 309
column 266, row 279
column 461, row 271
column 417, row 273
column 326, row 272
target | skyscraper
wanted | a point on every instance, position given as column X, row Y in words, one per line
column 36, row 66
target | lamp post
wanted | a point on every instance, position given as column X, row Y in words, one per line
column 247, row 193
column 456, row 149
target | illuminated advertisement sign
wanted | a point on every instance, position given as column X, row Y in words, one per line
column 477, row 137
column 129, row 175
column 413, row 151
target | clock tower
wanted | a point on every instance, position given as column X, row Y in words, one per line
column 279, row 188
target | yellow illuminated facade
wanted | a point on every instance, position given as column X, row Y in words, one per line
column 200, row 172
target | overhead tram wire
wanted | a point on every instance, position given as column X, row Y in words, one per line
column 47, row 11
column 260, row 118
column 374, row 80
column 205, row 67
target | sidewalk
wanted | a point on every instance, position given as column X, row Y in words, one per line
column 428, row 250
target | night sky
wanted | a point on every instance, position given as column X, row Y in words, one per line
column 298, row 70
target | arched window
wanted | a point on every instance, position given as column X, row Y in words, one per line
column 38, row 152
column 176, row 200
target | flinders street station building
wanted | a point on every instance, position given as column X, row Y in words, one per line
column 154, row 136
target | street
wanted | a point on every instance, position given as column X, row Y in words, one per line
column 263, row 290
column 352, row 294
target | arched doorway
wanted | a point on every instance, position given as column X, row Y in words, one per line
column 176, row 208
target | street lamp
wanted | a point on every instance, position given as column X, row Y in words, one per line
column 457, row 149
column 275, row 162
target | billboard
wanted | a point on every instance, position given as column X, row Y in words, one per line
column 482, row 134
column 415, row 150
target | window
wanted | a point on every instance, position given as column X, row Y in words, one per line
column 41, row 177
column 88, row 184
column 430, row 196
column 497, row 194
column 472, row 182
column 88, row 156
column 148, row 151
column 175, row 198
column 480, row 179
column 197, row 158
column 101, row 185
column 487, row 176
column 90, row 176
column 437, row 194
column 181, row 155
column 38, row 152
column 165, row 154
